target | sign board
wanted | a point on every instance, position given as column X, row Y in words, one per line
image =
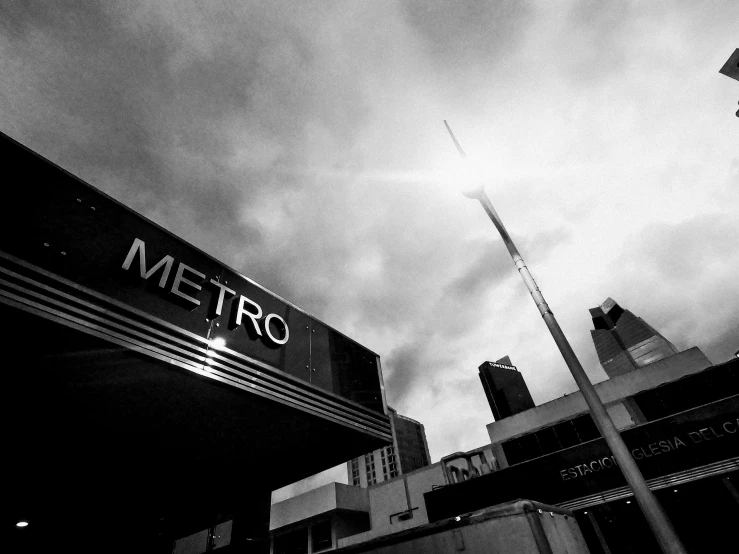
column 64, row 226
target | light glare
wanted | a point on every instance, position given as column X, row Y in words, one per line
column 218, row 342
column 469, row 176
column 22, row 524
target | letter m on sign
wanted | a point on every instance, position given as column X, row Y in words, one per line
column 138, row 247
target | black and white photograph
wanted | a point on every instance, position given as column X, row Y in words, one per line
column 370, row 276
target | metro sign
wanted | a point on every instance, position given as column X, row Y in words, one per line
column 242, row 308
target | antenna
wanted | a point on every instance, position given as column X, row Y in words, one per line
column 456, row 142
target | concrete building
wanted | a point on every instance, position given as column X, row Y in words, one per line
column 625, row 342
column 679, row 417
column 388, row 507
column 566, row 421
column 504, row 388
column 319, row 519
column 322, row 520
column 520, row 527
column 409, row 451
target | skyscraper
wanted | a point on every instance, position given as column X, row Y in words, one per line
column 408, row 452
column 505, row 388
column 625, row 342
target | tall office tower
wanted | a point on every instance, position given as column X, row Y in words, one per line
column 408, row 452
column 505, row 388
column 625, row 342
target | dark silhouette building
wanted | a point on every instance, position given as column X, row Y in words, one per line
column 625, row 342
column 505, row 388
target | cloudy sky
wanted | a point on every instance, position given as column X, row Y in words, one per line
column 302, row 143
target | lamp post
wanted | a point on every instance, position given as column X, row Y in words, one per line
column 653, row 512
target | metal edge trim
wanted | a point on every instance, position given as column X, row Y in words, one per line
column 65, row 319
column 281, row 376
column 306, row 404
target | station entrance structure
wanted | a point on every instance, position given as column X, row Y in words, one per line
column 151, row 390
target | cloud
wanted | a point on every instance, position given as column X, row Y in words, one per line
column 303, row 145
column 689, row 268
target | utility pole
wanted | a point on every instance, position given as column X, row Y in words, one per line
column 661, row 527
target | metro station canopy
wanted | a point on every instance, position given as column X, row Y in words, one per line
column 143, row 370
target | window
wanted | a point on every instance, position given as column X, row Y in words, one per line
column 206, row 540
column 689, row 392
column 321, row 536
column 566, row 434
column 585, row 427
column 221, row 535
column 529, row 447
column 369, row 468
column 294, row 542
column 548, row 440
column 192, row 544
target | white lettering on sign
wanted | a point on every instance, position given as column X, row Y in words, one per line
column 726, row 430
column 285, row 330
column 254, row 316
column 140, row 247
column 240, row 307
column 178, row 279
column 504, row 366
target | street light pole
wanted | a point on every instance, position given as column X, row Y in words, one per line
column 653, row 512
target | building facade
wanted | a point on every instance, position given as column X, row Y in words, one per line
column 409, row 451
column 505, row 388
column 679, row 417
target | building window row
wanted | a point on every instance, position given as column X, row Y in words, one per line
column 369, row 468
column 550, row 439
column 355, row 472
column 687, row 393
column 678, row 396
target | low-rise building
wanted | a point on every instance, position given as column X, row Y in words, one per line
column 316, row 521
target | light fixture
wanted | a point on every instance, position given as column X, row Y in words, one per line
column 22, row 523
column 585, row 513
column 628, row 501
column 457, row 518
column 674, row 490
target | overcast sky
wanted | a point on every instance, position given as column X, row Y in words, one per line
column 302, row 143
